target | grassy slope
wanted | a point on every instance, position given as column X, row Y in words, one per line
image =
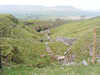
column 75, row 29
column 31, row 50
column 24, row 38
column 53, row 70
column 9, row 22
column 83, row 32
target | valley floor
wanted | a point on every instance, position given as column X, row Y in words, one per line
column 52, row 70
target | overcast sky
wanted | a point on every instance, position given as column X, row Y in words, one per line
column 83, row 4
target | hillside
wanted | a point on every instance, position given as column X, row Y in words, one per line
column 17, row 27
column 24, row 37
column 83, row 33
column 26, row 48
column 75, row 29
column 20, row 43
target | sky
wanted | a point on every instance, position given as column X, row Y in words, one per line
column 81, row 4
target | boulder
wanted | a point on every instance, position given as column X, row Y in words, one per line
column 84, row 63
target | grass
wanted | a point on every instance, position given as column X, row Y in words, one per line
column 30, row 48
column 52, row 70
column 83, row 32
column 24, row 38
column 75, row 29
column 58, row 47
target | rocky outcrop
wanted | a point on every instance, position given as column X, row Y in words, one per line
column 66, row 41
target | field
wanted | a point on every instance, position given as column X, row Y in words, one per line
column 52, row 70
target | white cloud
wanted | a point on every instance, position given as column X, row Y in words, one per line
column 84, row 4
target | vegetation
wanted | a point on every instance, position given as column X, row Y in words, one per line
column 52, row 70
column 83, row 32
column 23, row 45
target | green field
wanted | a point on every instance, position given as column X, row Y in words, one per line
column 52, row 70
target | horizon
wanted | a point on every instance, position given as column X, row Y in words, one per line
column 80, row 4
column 50, row 6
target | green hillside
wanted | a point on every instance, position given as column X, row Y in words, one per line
column 25, row 38
column 24, row 48
column 75, row 29
column 20, row 43
column 83, row 32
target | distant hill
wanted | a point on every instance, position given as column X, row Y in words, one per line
column 28, row 11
